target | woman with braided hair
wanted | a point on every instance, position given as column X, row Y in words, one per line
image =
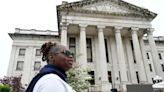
column 52, row 77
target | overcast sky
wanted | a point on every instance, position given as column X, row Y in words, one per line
column 41, row 15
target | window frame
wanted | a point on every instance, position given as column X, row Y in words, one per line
column 36, row 68
column 18, row 66
column 38, row 52
column 22, row 52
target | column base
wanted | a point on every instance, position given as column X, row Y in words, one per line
column 101, row 88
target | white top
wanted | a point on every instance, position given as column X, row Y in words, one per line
column 52, row 83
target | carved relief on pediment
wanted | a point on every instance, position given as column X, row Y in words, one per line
column 107, row 6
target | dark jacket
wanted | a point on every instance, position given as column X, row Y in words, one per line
column 47, row 69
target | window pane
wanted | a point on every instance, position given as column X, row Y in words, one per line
column 160, row 56
column 137, row 75
column 109, row 76
column 37, row 65
column 72, row 46
column 38, row 52
column 147, row 55
column 106, row 49
column 20, row 65
column 22, row 52
column 92, row 80
column 73, row 50
column 72, row 41
column 162, row 67
column 89, row 50
column 150, row 67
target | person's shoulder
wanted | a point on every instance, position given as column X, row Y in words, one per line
column 50, row 77
column 48, row 82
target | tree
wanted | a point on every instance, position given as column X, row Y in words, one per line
column 14, row 82
column 78, row 78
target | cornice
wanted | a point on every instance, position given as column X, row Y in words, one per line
column 107, row 13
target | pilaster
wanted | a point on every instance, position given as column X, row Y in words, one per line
column 64, row 34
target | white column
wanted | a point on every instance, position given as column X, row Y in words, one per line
column 102, row 55
column 149, row 79
column 63, row 34
column 83, row 50
column 120, row 54
column 115, row 75
column 154, row 52
column 138, row 54
column 130, row 58
column 102, row 61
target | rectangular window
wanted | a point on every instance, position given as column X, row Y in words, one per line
column 89, row 49
column 160, row 56
column 150, row 67
column 20, row 65
column 106, row 49
column 72, row 46
column 134, row 57
column 137, row 75
column 131, row 42
column 162, row 65
column 92, row 80
column 119, row 75
column 147, row 54
column 22, row 52
column 109, row 77
column 38, row 53
column 37, row 65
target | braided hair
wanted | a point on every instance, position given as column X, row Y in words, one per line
column 45, row 48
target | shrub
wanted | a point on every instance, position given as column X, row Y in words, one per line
column 77, row 79
column 4, row 88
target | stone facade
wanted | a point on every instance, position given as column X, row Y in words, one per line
column 112, row 38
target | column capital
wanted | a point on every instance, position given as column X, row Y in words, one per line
column 101, row 26
column 150, row 31
column 64, row 24
column 134, row 28
column 83, row 25
column 117, row 27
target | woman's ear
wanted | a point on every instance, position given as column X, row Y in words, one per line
column 50, row 57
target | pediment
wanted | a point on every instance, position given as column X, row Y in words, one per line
column 106, row 6
column 112, row 7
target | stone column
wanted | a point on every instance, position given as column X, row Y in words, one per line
column 145, row 59
column 138, row 54
column 120, row 55
column 63, row 34
column 102, row 61
column 154, row 52
column 130, row 58
column 83, row 50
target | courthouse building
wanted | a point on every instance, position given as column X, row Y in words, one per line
column 113, row 38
